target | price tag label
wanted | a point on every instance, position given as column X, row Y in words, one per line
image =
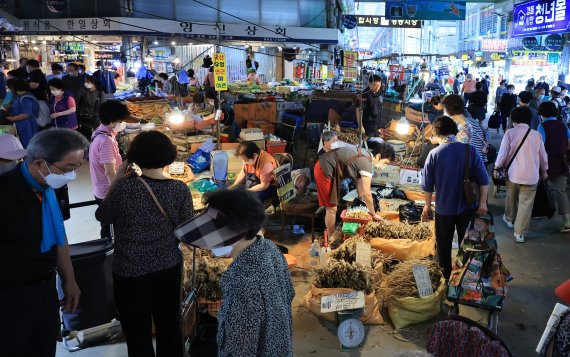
column 363, row 254
column 341, row 302
column 423, row 281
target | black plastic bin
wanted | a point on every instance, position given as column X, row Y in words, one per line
column 92, row 262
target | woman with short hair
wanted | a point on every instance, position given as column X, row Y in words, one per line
column 257, row 172
column 62, row 106
column 24, row 110
column 90, row 97
column 147, row 263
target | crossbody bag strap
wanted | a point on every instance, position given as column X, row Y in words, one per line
column 518, row 149
column 160, row 208
column 466, row 171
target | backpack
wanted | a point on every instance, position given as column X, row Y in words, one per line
column 563, row 109
column 41, row 111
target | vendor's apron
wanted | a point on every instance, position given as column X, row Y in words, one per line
column 251, row 179
column 339, row 174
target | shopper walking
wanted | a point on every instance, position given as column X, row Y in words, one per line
column 470, row 130
column 468, row 88
column 21, row 72
column 24, row 110
column 528, row 166
column 147, row 263
column 507, row 104
column 542, row 84
column 88, row 102
column 62, row 106
column 478, row 104
column 501, row 89
column 73, row 82
column 56, row 72
column 539, row 96
column 256, row 316
column 456, row 85
column 525, row 98
column 444, row 173
column 556, row 136
column 37, row 80
column 34, row 245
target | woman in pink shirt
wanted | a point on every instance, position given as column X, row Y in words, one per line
column 104, row 155
column 528, row 167
column 468, row 88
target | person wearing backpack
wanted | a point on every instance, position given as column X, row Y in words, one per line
column 24, row 110
column 62, row 106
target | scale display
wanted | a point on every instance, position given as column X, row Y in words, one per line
column 351, row 333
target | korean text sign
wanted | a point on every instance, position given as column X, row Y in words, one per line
column 220, row 74
column 540, row 17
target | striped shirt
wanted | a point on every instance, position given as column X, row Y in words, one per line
column 104, row 149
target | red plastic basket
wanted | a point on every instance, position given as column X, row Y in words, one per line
column 275, row 147
column 354, row 220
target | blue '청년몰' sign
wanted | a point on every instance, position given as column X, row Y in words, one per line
column 540, row 17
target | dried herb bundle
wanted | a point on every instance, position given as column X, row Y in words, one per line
column 341, row 274
column 398, row 230
column 400, row 282
column 209, row 270
column 347, row 251
column 348, row 136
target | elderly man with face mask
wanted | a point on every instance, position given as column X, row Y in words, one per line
column 33, row 244
column 339, row 163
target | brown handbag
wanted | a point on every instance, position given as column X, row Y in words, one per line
column 471, row 188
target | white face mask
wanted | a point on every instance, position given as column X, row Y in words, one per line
column 223, row 251
column 88, row 85
column 56, row 181
column 334, row 145
column 56, row 93
column 120, row 127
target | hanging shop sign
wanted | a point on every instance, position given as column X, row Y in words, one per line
column 426, row 10
column 350, row 58
column 107, row 55
column 349, row 21
column 493, row 45
column 464, row 57
column 540, row 17
column 479, row 54
column 530, row 43
column 553, row 42
column 220, row 74
column 382, row 21
column 168, row 28
column 532, row 55
column 444, row 71
column 553, row 58
column 70, row 47
column 496, row 56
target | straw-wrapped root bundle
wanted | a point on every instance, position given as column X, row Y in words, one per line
column 209, row 271
column 341, row 274
column 347, row 252
column 400, row 282
column 397, row 230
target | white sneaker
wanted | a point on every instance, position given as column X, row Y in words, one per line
column 519, row 238
column 509, row 224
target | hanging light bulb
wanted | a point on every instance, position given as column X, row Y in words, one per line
column 280, row 48
column 176, row 60
column 175, row 116
column 25, row 40
column 35, row 48
column 173, row 43
column 44, row 42
column 155, row 42
column 33, row 41
column 403, row 126
column 262, row 46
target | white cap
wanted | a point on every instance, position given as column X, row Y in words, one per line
column 11, row 148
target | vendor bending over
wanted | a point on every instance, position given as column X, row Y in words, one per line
column 337, row 164
column 257, row 172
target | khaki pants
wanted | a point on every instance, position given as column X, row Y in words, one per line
column 558, row 186
column 518, row 205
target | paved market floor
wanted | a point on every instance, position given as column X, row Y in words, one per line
column 538, row 266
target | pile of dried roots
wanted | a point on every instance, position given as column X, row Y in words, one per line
column 209, row 270
column 341, row 274
column 391, row 205
column 398, row 230
column 347, row 252
column 400, row 282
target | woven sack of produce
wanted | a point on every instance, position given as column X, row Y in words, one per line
column 404, row 249
column 370, row 316
column 412, row 310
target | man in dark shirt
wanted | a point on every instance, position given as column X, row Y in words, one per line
column 372, row 107
column 33, row 246
column 21, row 72
column 37, row 80
column 73, row 81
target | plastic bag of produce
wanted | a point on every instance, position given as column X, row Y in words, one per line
column 413, row 310
column 199, row 161
column 370, row 316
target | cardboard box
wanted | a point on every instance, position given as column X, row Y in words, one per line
column 260, row 143
column 229, row 146
column 390, row 174
column 244, row 113
column 265, row 127
column 235, row 165
column 266, row 111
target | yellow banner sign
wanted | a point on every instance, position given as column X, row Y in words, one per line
column 220, row 74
